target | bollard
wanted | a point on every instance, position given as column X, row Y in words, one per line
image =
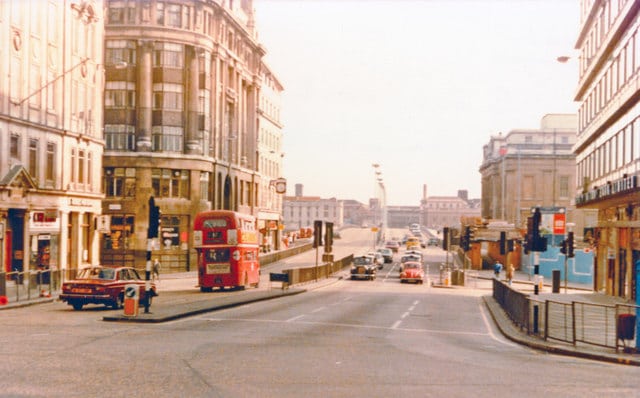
column 555, row 276
column 535, row 319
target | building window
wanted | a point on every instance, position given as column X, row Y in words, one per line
column 119, row 137
column 564, row 186
column 50, row 170
column 33, row 158
column 81, row 166
column 168, row 55
column 168, row 96
column 120, row 182
column 169, row 183
column 204, row 186
column 174, row 15
column 116, row 13
column 119, row 95
column 167, row 139
column 160, row 13
column 118, row 51
column 14, row 147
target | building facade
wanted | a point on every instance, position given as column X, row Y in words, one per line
column 608, row 139
column 51, row 82
column 529, row 168
column 437, row 212
column 302, row 211
column 185, row 122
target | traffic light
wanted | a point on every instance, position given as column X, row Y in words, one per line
column 503, row 242
column 328, row 237
column 445, row 238
column 154, row 219
column 570, row 246
column 317, row 234
column 563, row 247
column 466, row 239
column 510, row 245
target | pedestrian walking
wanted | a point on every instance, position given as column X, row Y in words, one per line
column 510, row 271
column 497, row 268
column 156, row 269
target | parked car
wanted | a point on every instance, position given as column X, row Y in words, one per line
column 103, row 285
column 412, row 271
column 363, row 267
column 394, row 245
column 387, row 254
column 378, row 260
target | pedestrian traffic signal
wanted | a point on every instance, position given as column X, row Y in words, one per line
column 328, row 237
column 503, row 242
column 154, row 219
column 563, row 247
column 570, row 243
column 317, row 233
column 445, row 238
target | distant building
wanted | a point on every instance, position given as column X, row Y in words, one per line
column 446, row 211
column 608, row 141
column 302, row 211
column 528, row 168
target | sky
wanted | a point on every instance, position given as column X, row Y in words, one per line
column 417, row 87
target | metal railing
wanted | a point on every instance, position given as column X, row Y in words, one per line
column 608, row 326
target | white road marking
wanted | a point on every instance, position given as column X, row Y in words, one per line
column 318, row 310
column 346, row 325
column 295, row 318
column 406, row 314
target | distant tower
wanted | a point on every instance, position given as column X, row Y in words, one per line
column 423, row 206
column 424, row 192
column 298, row 189
column 463, row 194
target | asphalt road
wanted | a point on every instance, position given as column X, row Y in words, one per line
column 352, row 338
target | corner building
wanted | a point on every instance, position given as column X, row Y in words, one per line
column 181, row 122
column 608, row 142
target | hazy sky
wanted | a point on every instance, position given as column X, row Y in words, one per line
column 416, row 86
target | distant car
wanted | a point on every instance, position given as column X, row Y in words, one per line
column 387, row 254
column 394, row 245
column 433, row 242
column 363, row 267
column 378, row 259
column 103, row 285
column 413, row 271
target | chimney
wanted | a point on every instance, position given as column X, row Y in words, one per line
column 424, row 192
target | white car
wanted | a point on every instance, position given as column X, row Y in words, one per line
column 378, row 259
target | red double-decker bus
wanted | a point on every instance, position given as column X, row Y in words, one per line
column 227, row 245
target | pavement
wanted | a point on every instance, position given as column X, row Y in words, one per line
column 178, row 297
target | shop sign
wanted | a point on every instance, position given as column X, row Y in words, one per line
column 170, row 236
column 613, row 188
column 46, row 219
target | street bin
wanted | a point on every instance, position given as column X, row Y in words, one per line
column 626, row 326
column 131, row 299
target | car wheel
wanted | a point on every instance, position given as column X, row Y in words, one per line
column 77, row 305
column 204, row 289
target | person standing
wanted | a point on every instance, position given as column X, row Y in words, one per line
column 497, row 268
column 510, row 272
column 156, row 269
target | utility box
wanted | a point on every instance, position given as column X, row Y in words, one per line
column 131, row 299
